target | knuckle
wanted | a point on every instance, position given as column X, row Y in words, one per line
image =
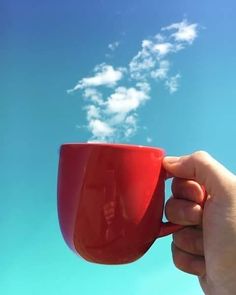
column 200, row 156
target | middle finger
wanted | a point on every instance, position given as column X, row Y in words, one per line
column 190, row 240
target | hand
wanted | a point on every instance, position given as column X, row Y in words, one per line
column 206, row 247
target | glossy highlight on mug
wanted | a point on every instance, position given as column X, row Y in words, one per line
column 110, row 200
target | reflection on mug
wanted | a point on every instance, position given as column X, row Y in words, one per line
column 109, row 212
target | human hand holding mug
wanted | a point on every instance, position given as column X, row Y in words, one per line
column 206, row 246
column 110, row 200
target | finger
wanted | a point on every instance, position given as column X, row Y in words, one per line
column 183, row 212
column 187, row 189
column 190, row 240
column 189, row 263
column 200, row 166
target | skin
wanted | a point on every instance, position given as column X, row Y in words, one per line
column 206, row 246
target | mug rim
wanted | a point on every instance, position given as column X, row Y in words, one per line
column 115, row 145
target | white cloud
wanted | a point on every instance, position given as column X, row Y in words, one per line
column 92, row 112
column 185, row 32
column 100, row 130
column 149, row 139
column 114, row 45
column 116, row 117
column 129, row 132
column 131, row 120
column 159, row 37
column 130, row 125
column 112, row 107
column 146, row 44
column 162, row 48
column 94, row 95
column 172, row 83
column 105, row 75
column 149, row 63
column 125, row 100
column 141, row 64
column 162, row 71
column 143, row 86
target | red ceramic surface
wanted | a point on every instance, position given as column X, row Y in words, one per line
column 110, row 200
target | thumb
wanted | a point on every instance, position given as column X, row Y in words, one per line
column 204, row 169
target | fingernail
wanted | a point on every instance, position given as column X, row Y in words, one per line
column 171, row 160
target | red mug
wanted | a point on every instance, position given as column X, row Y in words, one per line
column 111, row 199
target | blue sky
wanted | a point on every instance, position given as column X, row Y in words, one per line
column 49, row 47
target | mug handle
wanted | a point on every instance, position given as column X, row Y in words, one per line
column 168, row 228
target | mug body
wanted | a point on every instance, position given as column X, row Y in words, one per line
column 110, row 200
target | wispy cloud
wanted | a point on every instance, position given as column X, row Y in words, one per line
column 149, row 139
column 183, row 31
column 105, row 75
column 114, row 45
column 115, row 117
column 113, row 95
column 125, row 100
column 172, row 83
column 111, row 49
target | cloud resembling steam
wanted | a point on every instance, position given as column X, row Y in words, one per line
column 111, row 106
